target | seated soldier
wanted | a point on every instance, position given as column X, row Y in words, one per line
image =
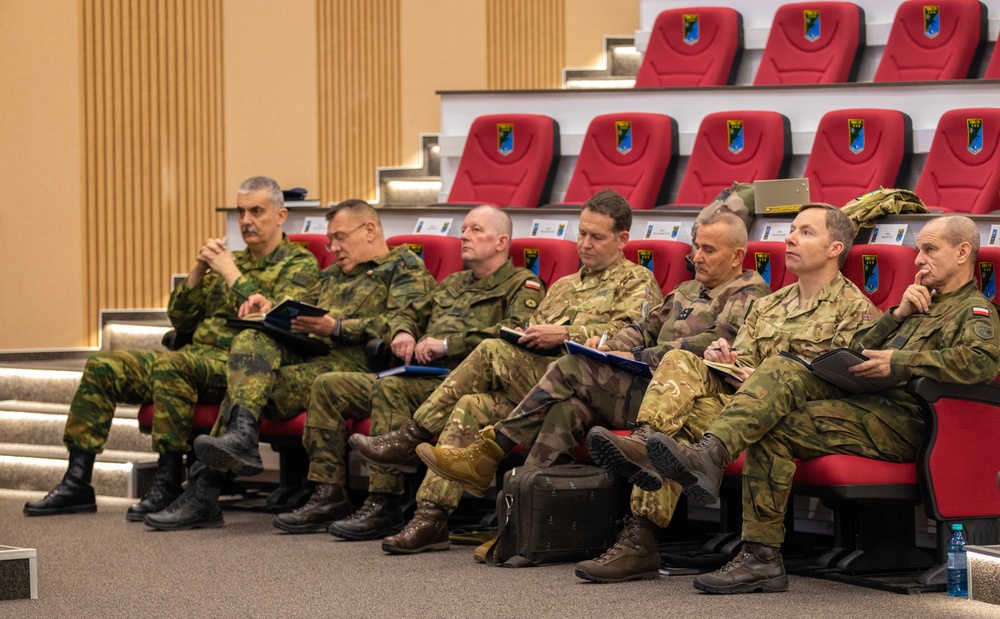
column 218, row 283
column 943, row 328
column 449, row 322
column 576, row 392
column 265, row 376
column 608, row 293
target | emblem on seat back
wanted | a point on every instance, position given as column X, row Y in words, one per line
column 692, row 27
column 987, row 281
column 932, row 21
column 763, row 261
column 870, row 263
column 975, row 128
column 811, row 18
column 623, row 136
column 735, row 136
column 505, row 138
column 417, row 248
column 645, row 257
column 856, row 134
column 531, row 260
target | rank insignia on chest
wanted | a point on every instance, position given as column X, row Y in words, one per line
column 684, row 314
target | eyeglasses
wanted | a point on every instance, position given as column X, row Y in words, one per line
column 340, row 237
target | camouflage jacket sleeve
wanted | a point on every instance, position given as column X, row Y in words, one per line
column 958, row 341
column 412, row 318
column 643, row 334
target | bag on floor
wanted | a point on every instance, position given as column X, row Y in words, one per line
column 554, row 514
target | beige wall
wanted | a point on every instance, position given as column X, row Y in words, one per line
column 589, row 21
column 40, row 169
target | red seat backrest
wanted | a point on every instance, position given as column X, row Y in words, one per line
column 882, row 272
column 813, row 43
column 856, row 151
column 768, row 259
column 924, row 45
column 666, row 259
column 987, row 268
column 549, row 259
column 442, row 255
column 508, row 160
column 315, row 243
column 962, row 171
column 698, row 46
column 744, row 146
column 631, row 153
column 993, row 68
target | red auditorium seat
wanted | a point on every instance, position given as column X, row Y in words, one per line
column 882, row 272
column 987, row 268
column 993, row 68
column 508, row 160
column 928, row 45
column 666, row 259
column 740, row 145
column 632, row 153
column 813, row 43
column 962, row 171
column 315, row 243
column 204, row 418
column 856, row 151
column 442, row 255
column 549, row 259
column 768, row 258
column 698, row 46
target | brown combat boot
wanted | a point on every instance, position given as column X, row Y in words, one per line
column 756, row 568
column 327, row 504
column 625, row 455
column 474, row 466
column 634, row 556
column 427, row 531
column 698, row 468
column 395, row 448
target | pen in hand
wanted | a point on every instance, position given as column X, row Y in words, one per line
column 732, row 350
column 604, row 338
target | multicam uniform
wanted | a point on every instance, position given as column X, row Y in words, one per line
column 486, row 386
column 784, row 412
column 268, row 378
column 174, row 381
column 462, row 311
column 685, row 395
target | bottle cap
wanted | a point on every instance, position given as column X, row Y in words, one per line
column 956, row 527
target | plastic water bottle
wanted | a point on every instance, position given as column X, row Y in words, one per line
column 958, row 576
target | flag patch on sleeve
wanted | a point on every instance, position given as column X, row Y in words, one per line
column 980, row 311
column 532, row 284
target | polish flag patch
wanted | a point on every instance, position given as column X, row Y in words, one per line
column 980, row 311
column 532, row 284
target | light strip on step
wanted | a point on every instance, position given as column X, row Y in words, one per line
column 29, row 416
column 407, row 185
column 138, row 329
column 50, row 374
column 61, row 464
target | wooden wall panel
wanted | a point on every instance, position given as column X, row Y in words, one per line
column 152, row 146
column 525, row 44
column 359, row 94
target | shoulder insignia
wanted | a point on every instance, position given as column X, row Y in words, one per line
column 983, row 331
column 531, row 303
column 980, row 311
column 532, row 284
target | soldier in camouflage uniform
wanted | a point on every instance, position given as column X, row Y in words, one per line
column 607, row 294
column 174, row 381
column 267, row 376
column 576, row 391
column 943, row 329
column 465, row 308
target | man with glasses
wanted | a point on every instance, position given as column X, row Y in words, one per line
column 266, row 377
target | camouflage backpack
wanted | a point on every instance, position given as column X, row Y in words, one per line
column 864, row 210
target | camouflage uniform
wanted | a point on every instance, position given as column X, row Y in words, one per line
column 268, row 378
column 175, row 380
column 685, row 395
column 496, row 375
column 783, row 411
column 462, row 311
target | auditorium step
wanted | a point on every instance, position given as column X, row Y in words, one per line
column 621, row 65
column 42, row 423
column 412, row 186
column 40, row 467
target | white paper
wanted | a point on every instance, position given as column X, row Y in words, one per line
column 549, row 228
column 314, row 225
column 438, row 226
column 668, row 231
column 885, row 234
column 776, row 231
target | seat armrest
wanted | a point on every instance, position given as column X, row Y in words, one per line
column 931, row 391
column 173, row 340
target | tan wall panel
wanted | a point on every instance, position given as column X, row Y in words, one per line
column 152, row 143
column 443, row 47
column 525, row 43
column 359, row 94
column 40, row 242
column 270, row 93
column 589, row 21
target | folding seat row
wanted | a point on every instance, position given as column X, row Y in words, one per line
column 816, row 43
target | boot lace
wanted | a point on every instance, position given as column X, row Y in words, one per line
column 738, row 561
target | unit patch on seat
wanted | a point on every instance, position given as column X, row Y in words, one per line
column 763, row 260
column 645, row 258
column 531, row 260
column 856, row 134
column 932, row 21
column 812, row 24
column 870, row 263
column 623, row 136
column 692, row 28
column 735, row 135
column 987, row 281
column 505, row 138
column 975, row 127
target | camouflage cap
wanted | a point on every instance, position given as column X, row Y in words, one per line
column 737, row 198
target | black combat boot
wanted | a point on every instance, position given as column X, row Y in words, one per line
column 197, row 508
column 236, row 450
column 167, row 486
column 756, row 568
column 327, row 504
column 396, row 448
column 379, row 516
column 698, row 468
column 73, row 494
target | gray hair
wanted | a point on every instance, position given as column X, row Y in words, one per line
column 258, row 183
column 736, row 230
column 358, row 208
